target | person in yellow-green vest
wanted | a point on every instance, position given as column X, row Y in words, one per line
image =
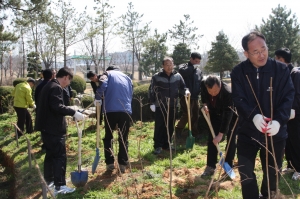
column 23, row 100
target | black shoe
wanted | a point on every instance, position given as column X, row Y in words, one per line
column 157, row 150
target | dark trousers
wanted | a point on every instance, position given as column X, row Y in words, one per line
column 24, row 118
column 292, row 148
column 246, row 154
column 212, row 152
column 194, row 105
column 160, row 131
column 121, row 119
column 55, row 159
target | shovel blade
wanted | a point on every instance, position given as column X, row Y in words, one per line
column 79, row 179
column 229, row 171
column 96, row 161
column 190, row 141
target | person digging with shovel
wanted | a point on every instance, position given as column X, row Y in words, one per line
column 50, row 120
column 116, row 90
column 216, row 99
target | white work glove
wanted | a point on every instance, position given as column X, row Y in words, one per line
column 78, row 116
column 273, row 128
column 95, row 102
column 292, row 115
column 152, row 107
column 187, row 92
column 260, row 123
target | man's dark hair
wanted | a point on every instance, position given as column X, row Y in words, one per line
column 250, row 37
column 195, row 55
column 90, row 74
column 112, row 67
column 285, row 53
column 30, row 79
column 211, row 81
column 64, row 72
column 47, row 74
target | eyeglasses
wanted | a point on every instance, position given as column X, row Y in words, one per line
column 257, row 53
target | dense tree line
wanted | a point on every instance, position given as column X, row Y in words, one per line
column 43, row 32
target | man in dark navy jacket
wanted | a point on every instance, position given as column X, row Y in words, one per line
column 292, row 147
column 257, row 117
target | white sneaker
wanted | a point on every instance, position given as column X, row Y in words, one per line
column 63, row 190
column 296, row 176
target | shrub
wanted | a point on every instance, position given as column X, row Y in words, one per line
column 6, row 100
column 78, row 84
column 135, row 84
column 74, row 93
column 86, row 101
column 141, row 92
column 33, row 75
column 19, row 80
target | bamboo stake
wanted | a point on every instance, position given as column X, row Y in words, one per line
column 266, row 139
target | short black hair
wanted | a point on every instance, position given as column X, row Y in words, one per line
column 30, row 79
column 211, row 80
column 90, row 74
column 112, row 67
column 167, row 58
column 47, row 74
column 285, row 53
column 250, row 37
column 64, row 72
column 195, row 55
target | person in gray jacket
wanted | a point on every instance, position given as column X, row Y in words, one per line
column 165, row 85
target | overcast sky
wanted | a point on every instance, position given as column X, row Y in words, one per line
column 234, row 17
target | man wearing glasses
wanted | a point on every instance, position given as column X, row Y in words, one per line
column 254, row 82
column 50, row 120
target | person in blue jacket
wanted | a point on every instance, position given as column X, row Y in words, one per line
column 257, row 117
column 115, row 92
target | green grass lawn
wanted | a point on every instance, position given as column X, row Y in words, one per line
column 148, row 175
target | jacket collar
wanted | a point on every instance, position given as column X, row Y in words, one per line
column 163, row 73
column 249, row 67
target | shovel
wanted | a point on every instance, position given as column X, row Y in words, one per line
column 222, row 162
column 190, row 140
column 97, row 156
column 79, row 178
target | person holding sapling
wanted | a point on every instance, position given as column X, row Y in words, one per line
column 263, row 93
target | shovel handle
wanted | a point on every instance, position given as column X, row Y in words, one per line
column 98, row 109
column 188, row 103
column 207, row 118
column 79, row 131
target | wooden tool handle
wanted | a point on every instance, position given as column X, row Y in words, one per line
column 207, row 118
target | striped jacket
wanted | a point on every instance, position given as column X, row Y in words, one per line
column 163, row 87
